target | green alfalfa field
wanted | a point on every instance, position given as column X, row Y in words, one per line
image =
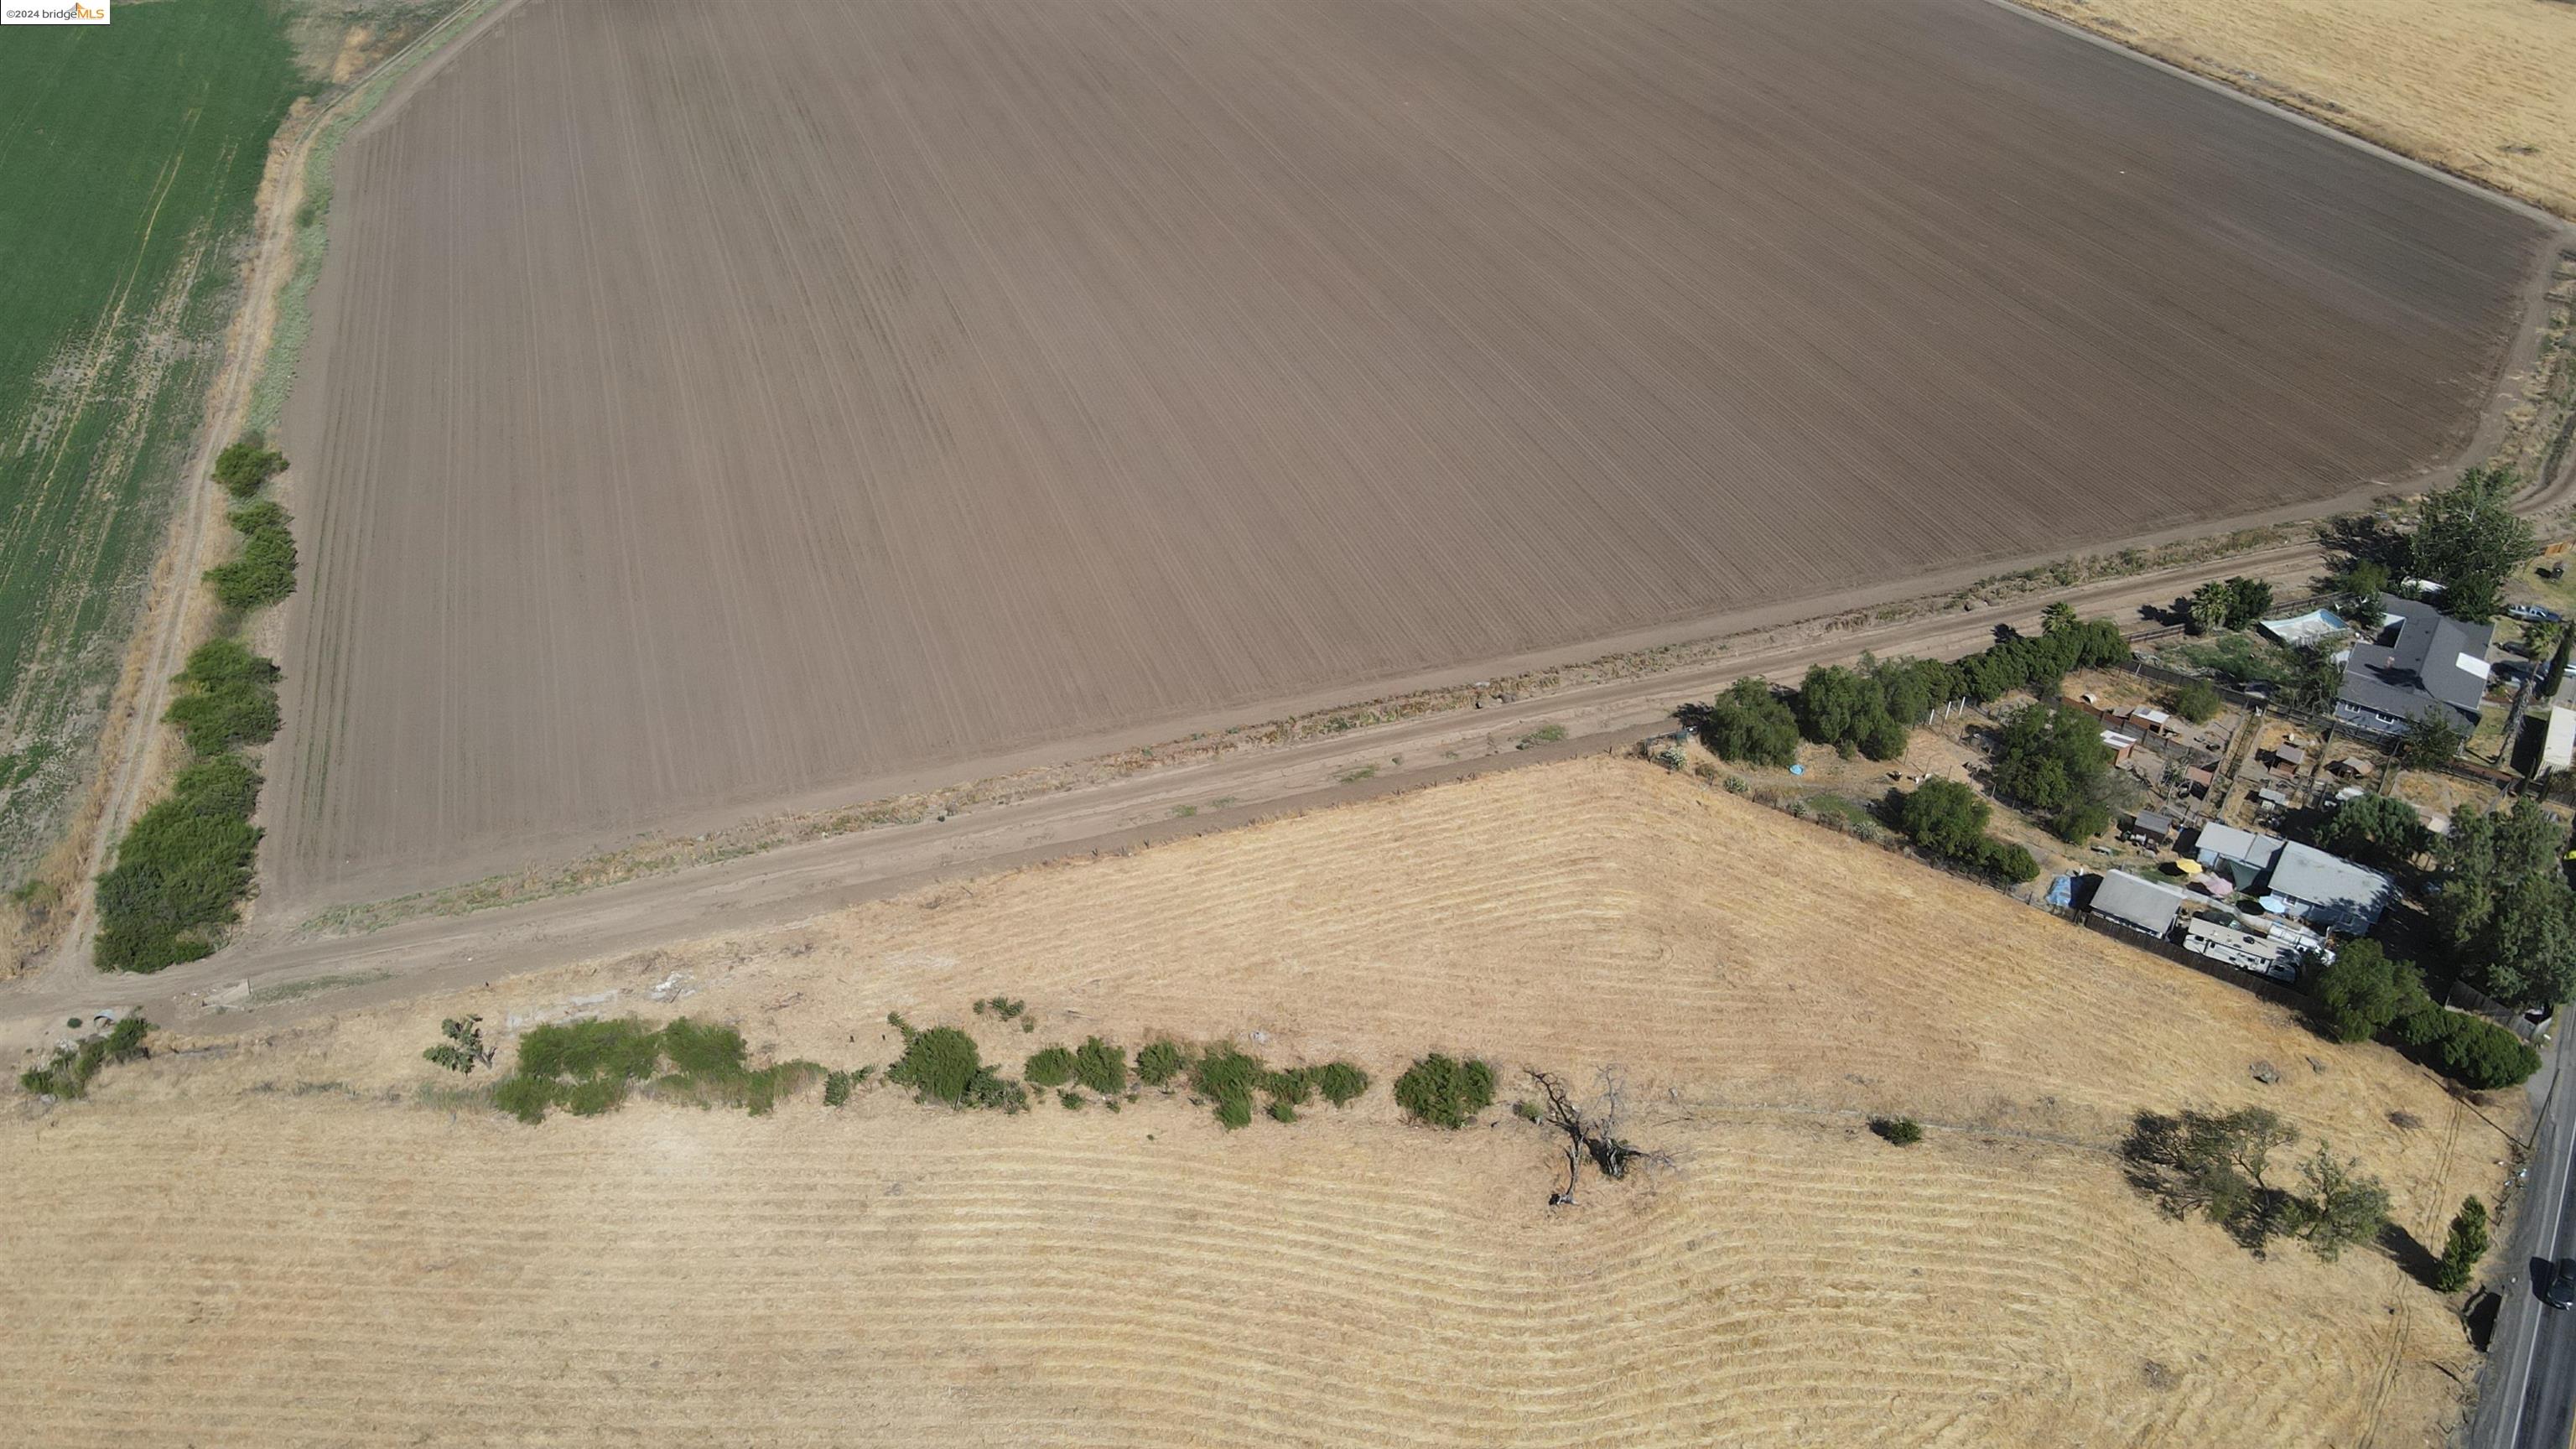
column 130, row 161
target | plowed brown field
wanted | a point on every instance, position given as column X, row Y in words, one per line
column 713, row 404
column 274, row 1243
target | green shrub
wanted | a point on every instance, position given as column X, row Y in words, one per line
column 2483, row 1056
column 68, row 1076
column 836, row 1088
column 1072, row 1100
column 182, row 869
column 1292, row 1086
column 2197, row 701
column 246, row 466
column 1903, row 1131
column 1052, row 1067
column 2079, row 823
column 263, row 573
column 525, row 1098
column 1341, row 1083
column 1229, row 1078
column 1526, row 1110
column 990, row 1091
column 1282, row 1112
column 227, row 697
column 592, row 1096
column 1159, row 1062
column 761, row 1089
column 938, row 1063
column 1101, row 1066
column 463, row 1050
column 713, row 1051
column 1445, row 1093
column 624, row 1048
column 589, row 1067
column 2467, row 1243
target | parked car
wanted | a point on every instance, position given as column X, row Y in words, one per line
column 2532, row 614
column 2561, row 1292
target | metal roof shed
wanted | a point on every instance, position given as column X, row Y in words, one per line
column 2137, row 903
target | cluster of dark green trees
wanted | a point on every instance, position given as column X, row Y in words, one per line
column 2465, row 538
column 2364, row 993
column 1946, row 820
column 185, row 865
column 2501, row 906
column 2226, row 604
column 264, row 572
column 2468, row 539
column 2502, row 919
column 245, row 467
column 2049, row 759
column 1871, row 710
column 2218, row 1166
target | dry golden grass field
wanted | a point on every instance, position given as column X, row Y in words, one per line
column 278, row 1240
column 2485, row 88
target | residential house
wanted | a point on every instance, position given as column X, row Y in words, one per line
column 2298, row 881
column 2422, row 662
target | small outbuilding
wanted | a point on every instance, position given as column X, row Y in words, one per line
column 2137, row 903
column 2558, row 747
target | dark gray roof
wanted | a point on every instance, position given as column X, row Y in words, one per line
column 2433, row 662
column 2132, row 901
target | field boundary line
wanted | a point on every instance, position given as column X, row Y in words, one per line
column 2292, row 113
column 136, row 740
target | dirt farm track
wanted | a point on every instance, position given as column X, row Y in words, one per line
column 709, row 405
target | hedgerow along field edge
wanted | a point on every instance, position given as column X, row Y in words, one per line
column 130, row 162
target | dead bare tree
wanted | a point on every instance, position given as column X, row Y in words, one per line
column 1592, row 1134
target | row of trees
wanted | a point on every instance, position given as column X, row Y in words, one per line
column 1872, row 709
column 2364, row 993
column 185, row 865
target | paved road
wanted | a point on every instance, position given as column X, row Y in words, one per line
column 2530, row 1390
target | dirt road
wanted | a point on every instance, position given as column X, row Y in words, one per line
column 794, row 882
